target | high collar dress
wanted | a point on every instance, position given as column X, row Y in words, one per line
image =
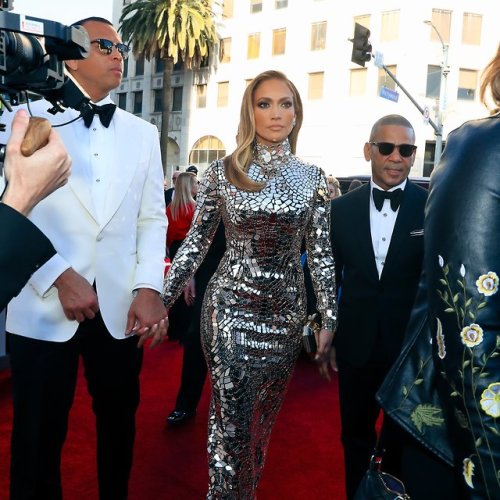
column 255, row 304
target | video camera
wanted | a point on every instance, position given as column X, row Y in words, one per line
column 32, row 55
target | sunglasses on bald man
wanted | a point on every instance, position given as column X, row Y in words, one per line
column 386, row 148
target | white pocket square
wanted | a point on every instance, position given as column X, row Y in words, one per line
column 417, row 232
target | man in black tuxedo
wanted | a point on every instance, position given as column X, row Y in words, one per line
column 23, row 247
column 377, row 240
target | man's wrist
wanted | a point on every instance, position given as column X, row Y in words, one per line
column 19, row 203
column 145, row 290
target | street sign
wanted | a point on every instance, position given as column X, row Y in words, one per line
column 426, row 115
column 390, row 94
column 379, row 59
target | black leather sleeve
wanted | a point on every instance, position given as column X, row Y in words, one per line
column 23, row 249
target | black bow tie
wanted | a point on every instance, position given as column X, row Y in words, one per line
column 105, row 113
column 394, row 196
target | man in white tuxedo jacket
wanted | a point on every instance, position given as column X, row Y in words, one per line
column 108, row 228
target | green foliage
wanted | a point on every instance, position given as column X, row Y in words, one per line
column 178, row 29
column 426, row 415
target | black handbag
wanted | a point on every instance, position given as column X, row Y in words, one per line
column 378, row 485
column 309, row 332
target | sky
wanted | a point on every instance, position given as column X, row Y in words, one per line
column 64, row 11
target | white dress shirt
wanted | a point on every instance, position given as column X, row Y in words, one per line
column 101, row 164
column 382, row 225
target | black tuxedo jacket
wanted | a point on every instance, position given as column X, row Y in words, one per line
column 23, row 249
column 373, row 312
column 168, row 196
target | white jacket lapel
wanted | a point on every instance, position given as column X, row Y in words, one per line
column 126, row 154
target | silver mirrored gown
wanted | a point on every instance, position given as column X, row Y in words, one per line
column 255, row 306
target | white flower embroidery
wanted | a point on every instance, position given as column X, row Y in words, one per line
column 487, row 284
column 490, row 400
column 472, row 335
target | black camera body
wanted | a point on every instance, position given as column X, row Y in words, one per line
column 32, row 55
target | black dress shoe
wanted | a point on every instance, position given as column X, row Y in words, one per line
column 179, row 417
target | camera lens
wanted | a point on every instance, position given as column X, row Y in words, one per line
column 19, row 52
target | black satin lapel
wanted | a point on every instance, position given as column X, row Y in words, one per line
column 363, row 228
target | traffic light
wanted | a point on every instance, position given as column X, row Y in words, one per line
column 6, row 4
column 361, row 47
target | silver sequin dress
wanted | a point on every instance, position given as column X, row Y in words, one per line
column 255, row 306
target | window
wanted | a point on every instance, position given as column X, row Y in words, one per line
column 316, row 85
column 222, row 94
column 158, row 101
column 279, row 41
column 159, row 64
column 280, row 4
column 227, row 8
column 201, row 96
column 390, row 26
column 433, row 81
column 441, row 19
column 318, row 36
column 255, row 6
column 206, row 150
column 384, row 80
column 225, row 50
column 179, row 65
column 471, row 30
column 253, row 46
column 176, row 98
column 357, row 85
column 139, row 66
column 138, row 102
column 122, row 100
column 125, row 68
column 363, row 20
column 467, row 84
column 429, row 155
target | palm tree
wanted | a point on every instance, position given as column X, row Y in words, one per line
column 172, row 30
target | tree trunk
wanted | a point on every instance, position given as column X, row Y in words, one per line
column 167, row 106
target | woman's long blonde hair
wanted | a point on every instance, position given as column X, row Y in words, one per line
column 491, row 81
column 183, row 197
column 236, row 165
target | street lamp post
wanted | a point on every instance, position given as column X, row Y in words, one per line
column 442, row 95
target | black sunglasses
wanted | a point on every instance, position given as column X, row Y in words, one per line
column 386, row 148
column 106, row 47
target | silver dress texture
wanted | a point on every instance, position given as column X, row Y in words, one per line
column 255, row 307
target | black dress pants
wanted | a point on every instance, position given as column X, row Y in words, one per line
column 44, row 377
column 180, row 313
column 359, row 412
column 194, row 366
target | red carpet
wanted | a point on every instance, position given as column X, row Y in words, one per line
column 304, row 460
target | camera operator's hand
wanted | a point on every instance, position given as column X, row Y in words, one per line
column 30, row 179
column 77, row 297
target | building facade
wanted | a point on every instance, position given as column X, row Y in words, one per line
column 436, row 50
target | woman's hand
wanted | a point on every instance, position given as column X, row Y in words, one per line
column 324, row 341
column 190, row 293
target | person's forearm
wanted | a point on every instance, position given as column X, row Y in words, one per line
column 18, row 200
